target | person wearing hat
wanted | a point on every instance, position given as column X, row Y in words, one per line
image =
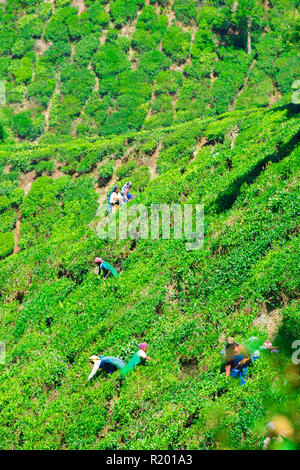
column 140, row 357
column 108, row 363
column 106, row 268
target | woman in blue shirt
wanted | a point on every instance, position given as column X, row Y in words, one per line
column 237, row 361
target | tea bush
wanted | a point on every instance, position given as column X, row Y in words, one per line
column 186, row 11
column 41, row 47
column 8, row 221
column 44, row 167
column 242, row 165
column 176, row 44
column 122, row 11
column 105, row 173
column 6, row 244
column 4, row 203
column 125, row 170
column 110, row 60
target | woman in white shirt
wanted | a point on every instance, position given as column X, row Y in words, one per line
column 115, row 197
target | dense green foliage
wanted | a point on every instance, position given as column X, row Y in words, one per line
column 166, row 95
column 55, row 312
column 103, row 71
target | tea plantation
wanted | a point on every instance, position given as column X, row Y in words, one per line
column 105, row 67
column 168, row 95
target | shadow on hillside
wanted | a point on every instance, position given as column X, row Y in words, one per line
column 227, row 198
column 292, row 109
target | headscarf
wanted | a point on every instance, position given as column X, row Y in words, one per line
column 126, row 187
column 143, row 345
column 108, row 207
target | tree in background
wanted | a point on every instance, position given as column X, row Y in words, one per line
column 248, row 16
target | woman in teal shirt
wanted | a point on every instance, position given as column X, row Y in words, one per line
column 140, row 357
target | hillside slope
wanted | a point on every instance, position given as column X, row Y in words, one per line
column 97, row 68
column 243, row 166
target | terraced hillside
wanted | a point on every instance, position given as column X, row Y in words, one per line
column 99, row 68
column 243, row 166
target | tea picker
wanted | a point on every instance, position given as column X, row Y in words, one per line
column 108, row 363
column 106, row 268
column 140, row 357
column 125, row 192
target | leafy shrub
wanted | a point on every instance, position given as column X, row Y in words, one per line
column 44, row 167
column 64, row 24
column 63, row 110
column 183, row 303
column 45, row 11
column 123, row 11
column 56, row 30
column 16, row 197
column 41, row 90
column 111, row 35
column 162, row 119
column 98, row 15
column 56, row 53
column 149, row 21
column 290, row 325
column 176, row 44
column 70, row 169
column 163, row 3
column 21, row 47
column 125, row 170
column 227, row 84
column 152, row 62
column 130, row 114
column 21, row 69
column 22, row 124
column 257, row 92
column 2, row 133
column 168, row 82
column 8, row 221
column 97, row 107
column 76, row 81
column 296, row 92
column 78, row 27
column 287, row 71
column 105, row 173
column 85, row 49
column 15, row 94
column 123, row 43
column 140, row 177
column 203, row 44
column 143, row 42
column 148, row 147
column 163, row 103
column 4, row 203
column 30, row 26
column 268, row 47
column 6, row 244
column 186, row 10
column 193, row 99
column 110, row 60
